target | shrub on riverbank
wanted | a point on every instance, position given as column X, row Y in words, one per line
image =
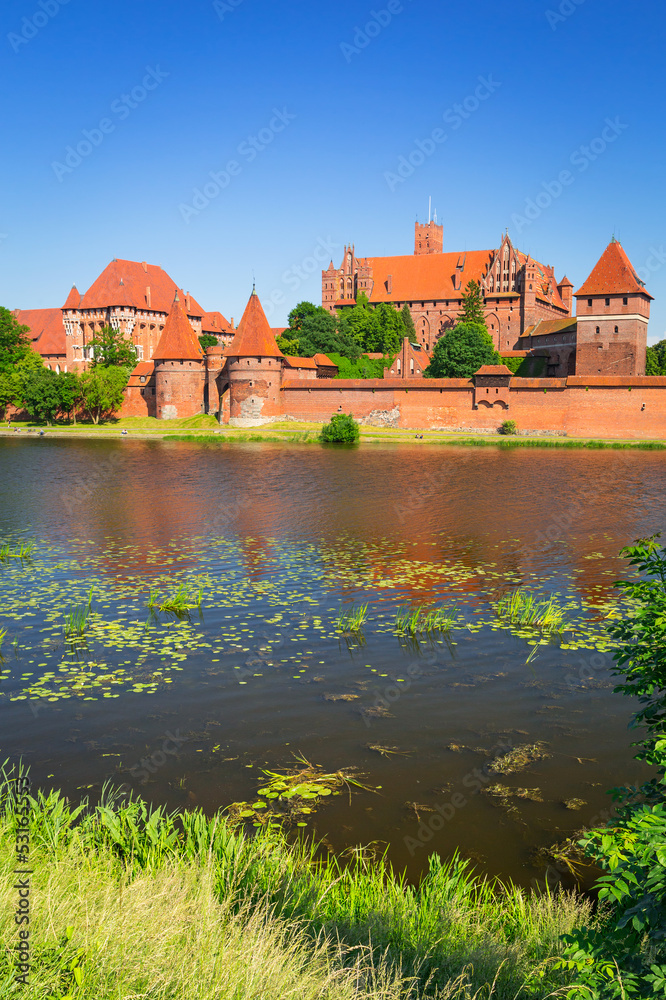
column 342, row 429
column 173, row 906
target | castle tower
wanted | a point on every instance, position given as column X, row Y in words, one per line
column 612, row 310
column 528, row 297
column 179, row 368
column 565, row 288
column 254, row 367
column 428, row 238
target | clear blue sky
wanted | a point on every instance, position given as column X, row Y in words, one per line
column 350, row 106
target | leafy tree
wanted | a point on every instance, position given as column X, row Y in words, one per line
column 655, row 360
column 15, row 342
column 111, row 348
column 11, row 390
column 408, row 323
column 391, row 331
column 207, row 340
column 462, row 351
column 318, row 333
column 473, row 308
column 361, row 323
column 42, row 395
column 300, row 313
column 70, row 393
column 363, row 368
column 13, row 381
column 290, row 348
column 342, row 429
column 102, row 391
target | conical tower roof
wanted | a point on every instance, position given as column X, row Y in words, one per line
column 254, row 337
column 614, row 274
column 178, row 341
column 73, row 299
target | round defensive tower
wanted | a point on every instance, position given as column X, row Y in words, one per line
column 254, row 369
column 179, row 368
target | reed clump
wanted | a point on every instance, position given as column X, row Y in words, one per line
column 523, row 608
column 352, row 619
column 77, row 620
column 24, row 551
column 422, row 620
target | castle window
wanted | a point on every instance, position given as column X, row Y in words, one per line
column 589, row 301
column 625, row 301
column 617, row 329
column 607, row 302
column 598, row 330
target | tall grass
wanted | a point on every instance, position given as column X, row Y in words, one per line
column 3, row 633
column 238, row 918
column 24, row 551
column 76, row 621
column 352, row 619
column 418, row 621
column 523, row 608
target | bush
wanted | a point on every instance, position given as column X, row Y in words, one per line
column 342, row 429
column 509, row 427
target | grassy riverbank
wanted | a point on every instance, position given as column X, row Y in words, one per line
column 205, row 429
column 181, row 906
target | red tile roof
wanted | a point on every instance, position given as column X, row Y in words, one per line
column 425, row 276
column 145, row 370
column 494, row 370
column 325, row 362
column 300, row 362
column 614, row 274
column 46, row 329
column 215, row 323
column 73, row 299
column 126, row 282
column 548, row 326
column 254, row 337
column 565, row 282
column 178, row 341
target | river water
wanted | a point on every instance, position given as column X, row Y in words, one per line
column 280, row 539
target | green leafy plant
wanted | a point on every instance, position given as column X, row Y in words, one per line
column 625, row 957
column 24, row 551
column 342, row 429
column 509, row 427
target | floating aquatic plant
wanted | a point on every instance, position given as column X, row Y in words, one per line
column 180, row 601
column 519, row 758
column 293, row 795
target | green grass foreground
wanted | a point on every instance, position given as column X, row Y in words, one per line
column 133, row 902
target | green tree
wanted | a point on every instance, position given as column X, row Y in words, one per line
column 300, row 313
column 473, row 310
column 391, row 331
column 102, row 391
column 360, row 323
column 290, row 348
column 11, row 390
column 15, row 341
column 319, row 332
column 70, row 393
column 655, row 360
column 462, row 351
column 207, row 340
column 408, row 323
column 111, row 348
column 42, row 396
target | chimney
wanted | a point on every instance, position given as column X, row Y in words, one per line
column 389, row 284
column 144, row 266
column 148, row 296
column 187, row 302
